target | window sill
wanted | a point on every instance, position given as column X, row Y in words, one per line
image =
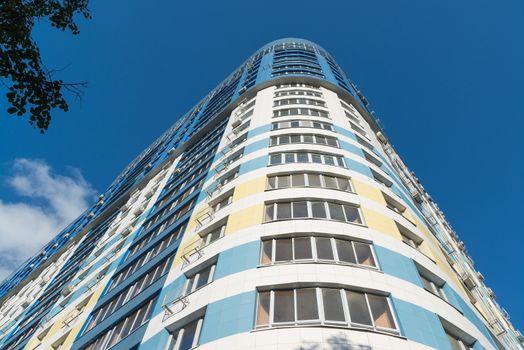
column 338, row 166
column 315, row 187
column 395, row 334
column 322, row 262
column 316, row 219
column 305, row 143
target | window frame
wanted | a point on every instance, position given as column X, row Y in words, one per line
column 307, row 175
column 311, row 157
column 276, row 140
column 314, row 251
column 302, row 123
column 193, row 279
column 431, row 284
column 180, row 335
column 310, row 202
column 320, row 301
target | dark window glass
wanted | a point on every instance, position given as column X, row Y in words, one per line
column 336, row 212
column 283, row 250
column 352, row 214
column 284, row 309
column 297, row 180
column 345, row 251
column 300, row 209
column 307, row 304
column 187, row 338
column 263, row 308
column 302, row 157
column 333, row 310
column 303, row 248
column 283, row 210
column 358, row 309
column 324, row 250
column 364, row 254
column 318, row 210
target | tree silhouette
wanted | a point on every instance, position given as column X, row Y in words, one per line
column 31, row 87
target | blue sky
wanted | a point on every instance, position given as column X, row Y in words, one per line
column 446, row 79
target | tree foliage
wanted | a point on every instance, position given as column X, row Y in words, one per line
column 31, row 87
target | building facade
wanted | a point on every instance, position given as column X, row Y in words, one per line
column 275, row 214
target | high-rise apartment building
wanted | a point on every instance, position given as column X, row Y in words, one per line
column 274, row 215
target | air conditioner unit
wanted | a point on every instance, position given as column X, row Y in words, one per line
column 468, row 280
column 140, row 210
column 150, row 193
column 519, row 336
column 236, row 123
column 127, row 230
column 381, row 137
column 67, row 290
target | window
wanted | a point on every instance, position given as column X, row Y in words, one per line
column 328, row 306
column 137, row 247
column 309, row 180
column 358, row 129
column 231, row 159
column 319, row 249
column 298, row 93
column 313, row 210
column 147, row 256
column 352, row 117
column 349, row 107
column 298, row 101
column 304, row 138
column 381, row 179
column 306, row 157
column 302, row 124
column 364, row 142
column 167, row 218
column 283, row 86
column 409, row 237
column 179, row 197
column 223, row 201
column 228, row 177
column 123, row 327
column 300, row 111
column 394, row 204
column 128, row 293
column 187, row 337
column 372, row 159
column 199, row 279
column 213, row 235
column 457, row 343
column 431, row 283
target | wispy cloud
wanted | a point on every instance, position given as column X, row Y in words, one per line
column 49, row 202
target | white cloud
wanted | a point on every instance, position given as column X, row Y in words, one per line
column 50, row 202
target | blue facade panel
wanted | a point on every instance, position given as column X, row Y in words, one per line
column 420, row 325
column 229, row 316
column 238, row 259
